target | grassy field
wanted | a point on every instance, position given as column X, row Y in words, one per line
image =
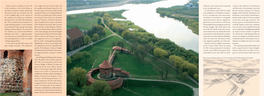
column 134, row 66
column 83, row 22
column 153, row 88
column 8, row 94
column 145, row 69
column 117, row 14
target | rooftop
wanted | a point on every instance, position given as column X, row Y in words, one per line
column 105, row 65
column 74, row 32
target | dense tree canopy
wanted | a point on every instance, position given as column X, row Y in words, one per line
column 95, row 37
column 176, row 60
column 69, row 61
column 77, row 74
column 160, row 52
column 192, row 69
column 87, row 55
column 101, row 88
column 77, row 56
column 184, row 75
column 87, row 39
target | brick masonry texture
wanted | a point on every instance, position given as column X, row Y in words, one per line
column 16, row 71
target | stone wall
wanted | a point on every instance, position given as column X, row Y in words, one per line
column 16, row 71
column 11, row 72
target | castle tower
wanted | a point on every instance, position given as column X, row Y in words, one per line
column 105, row 70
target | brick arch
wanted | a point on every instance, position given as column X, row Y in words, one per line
column 28, row 80
column 27, row 72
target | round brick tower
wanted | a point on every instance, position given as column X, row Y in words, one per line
column 105, row 70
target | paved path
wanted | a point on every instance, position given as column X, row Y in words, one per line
column 195, row 90
column 114, row 34
column 75, row 92
column 147, row 52
column 132, row 91
column 80, row 48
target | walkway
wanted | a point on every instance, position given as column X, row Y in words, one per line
column 147, row 52
column 195, row 90
column 80, row 48
column 114, row 34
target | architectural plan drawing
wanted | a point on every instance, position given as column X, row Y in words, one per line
column 231, row 77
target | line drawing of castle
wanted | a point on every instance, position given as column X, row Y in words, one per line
column 231, row 77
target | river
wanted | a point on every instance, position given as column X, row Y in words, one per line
column 145, row 16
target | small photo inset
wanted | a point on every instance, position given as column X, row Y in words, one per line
column 15, row 72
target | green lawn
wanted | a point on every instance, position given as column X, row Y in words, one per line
column 104, row 47
column 134, row 66
column 145, row 69
column 8, row 94
column 117, row 14
column 83, row 22
column 153, row 88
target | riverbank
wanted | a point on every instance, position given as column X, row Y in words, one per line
column 112, row 4
column 188, row 15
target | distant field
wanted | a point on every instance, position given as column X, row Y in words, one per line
column 117, row 14
column 83, row 22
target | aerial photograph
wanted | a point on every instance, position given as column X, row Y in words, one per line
column 132, row 48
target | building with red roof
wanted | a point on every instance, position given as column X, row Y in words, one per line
column 74, row 38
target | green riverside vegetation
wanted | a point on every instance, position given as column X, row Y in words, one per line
column 138, row 64
column 188, row 15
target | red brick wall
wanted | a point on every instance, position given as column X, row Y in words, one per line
column 27, row 71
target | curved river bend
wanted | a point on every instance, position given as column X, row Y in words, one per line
column 145, row 16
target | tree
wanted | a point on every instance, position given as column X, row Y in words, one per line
column 192, row 69
column 141, row 30
column 184, row 66
column 196, row 77
column 99, row 21
column 101, row 88
column 160, row 52
column 125, row 34
column 95, row 37
column 86, row 54
column 141, row 52
column 69, row 60
column 87, row 39
column 77, row 56
column 70, row 87
column 176, row 60
column 184, row 75
column 86, row 91
column 77, row 74
column 161, row 73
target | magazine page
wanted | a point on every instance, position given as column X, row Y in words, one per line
column 231, row 48
column 33, row 48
